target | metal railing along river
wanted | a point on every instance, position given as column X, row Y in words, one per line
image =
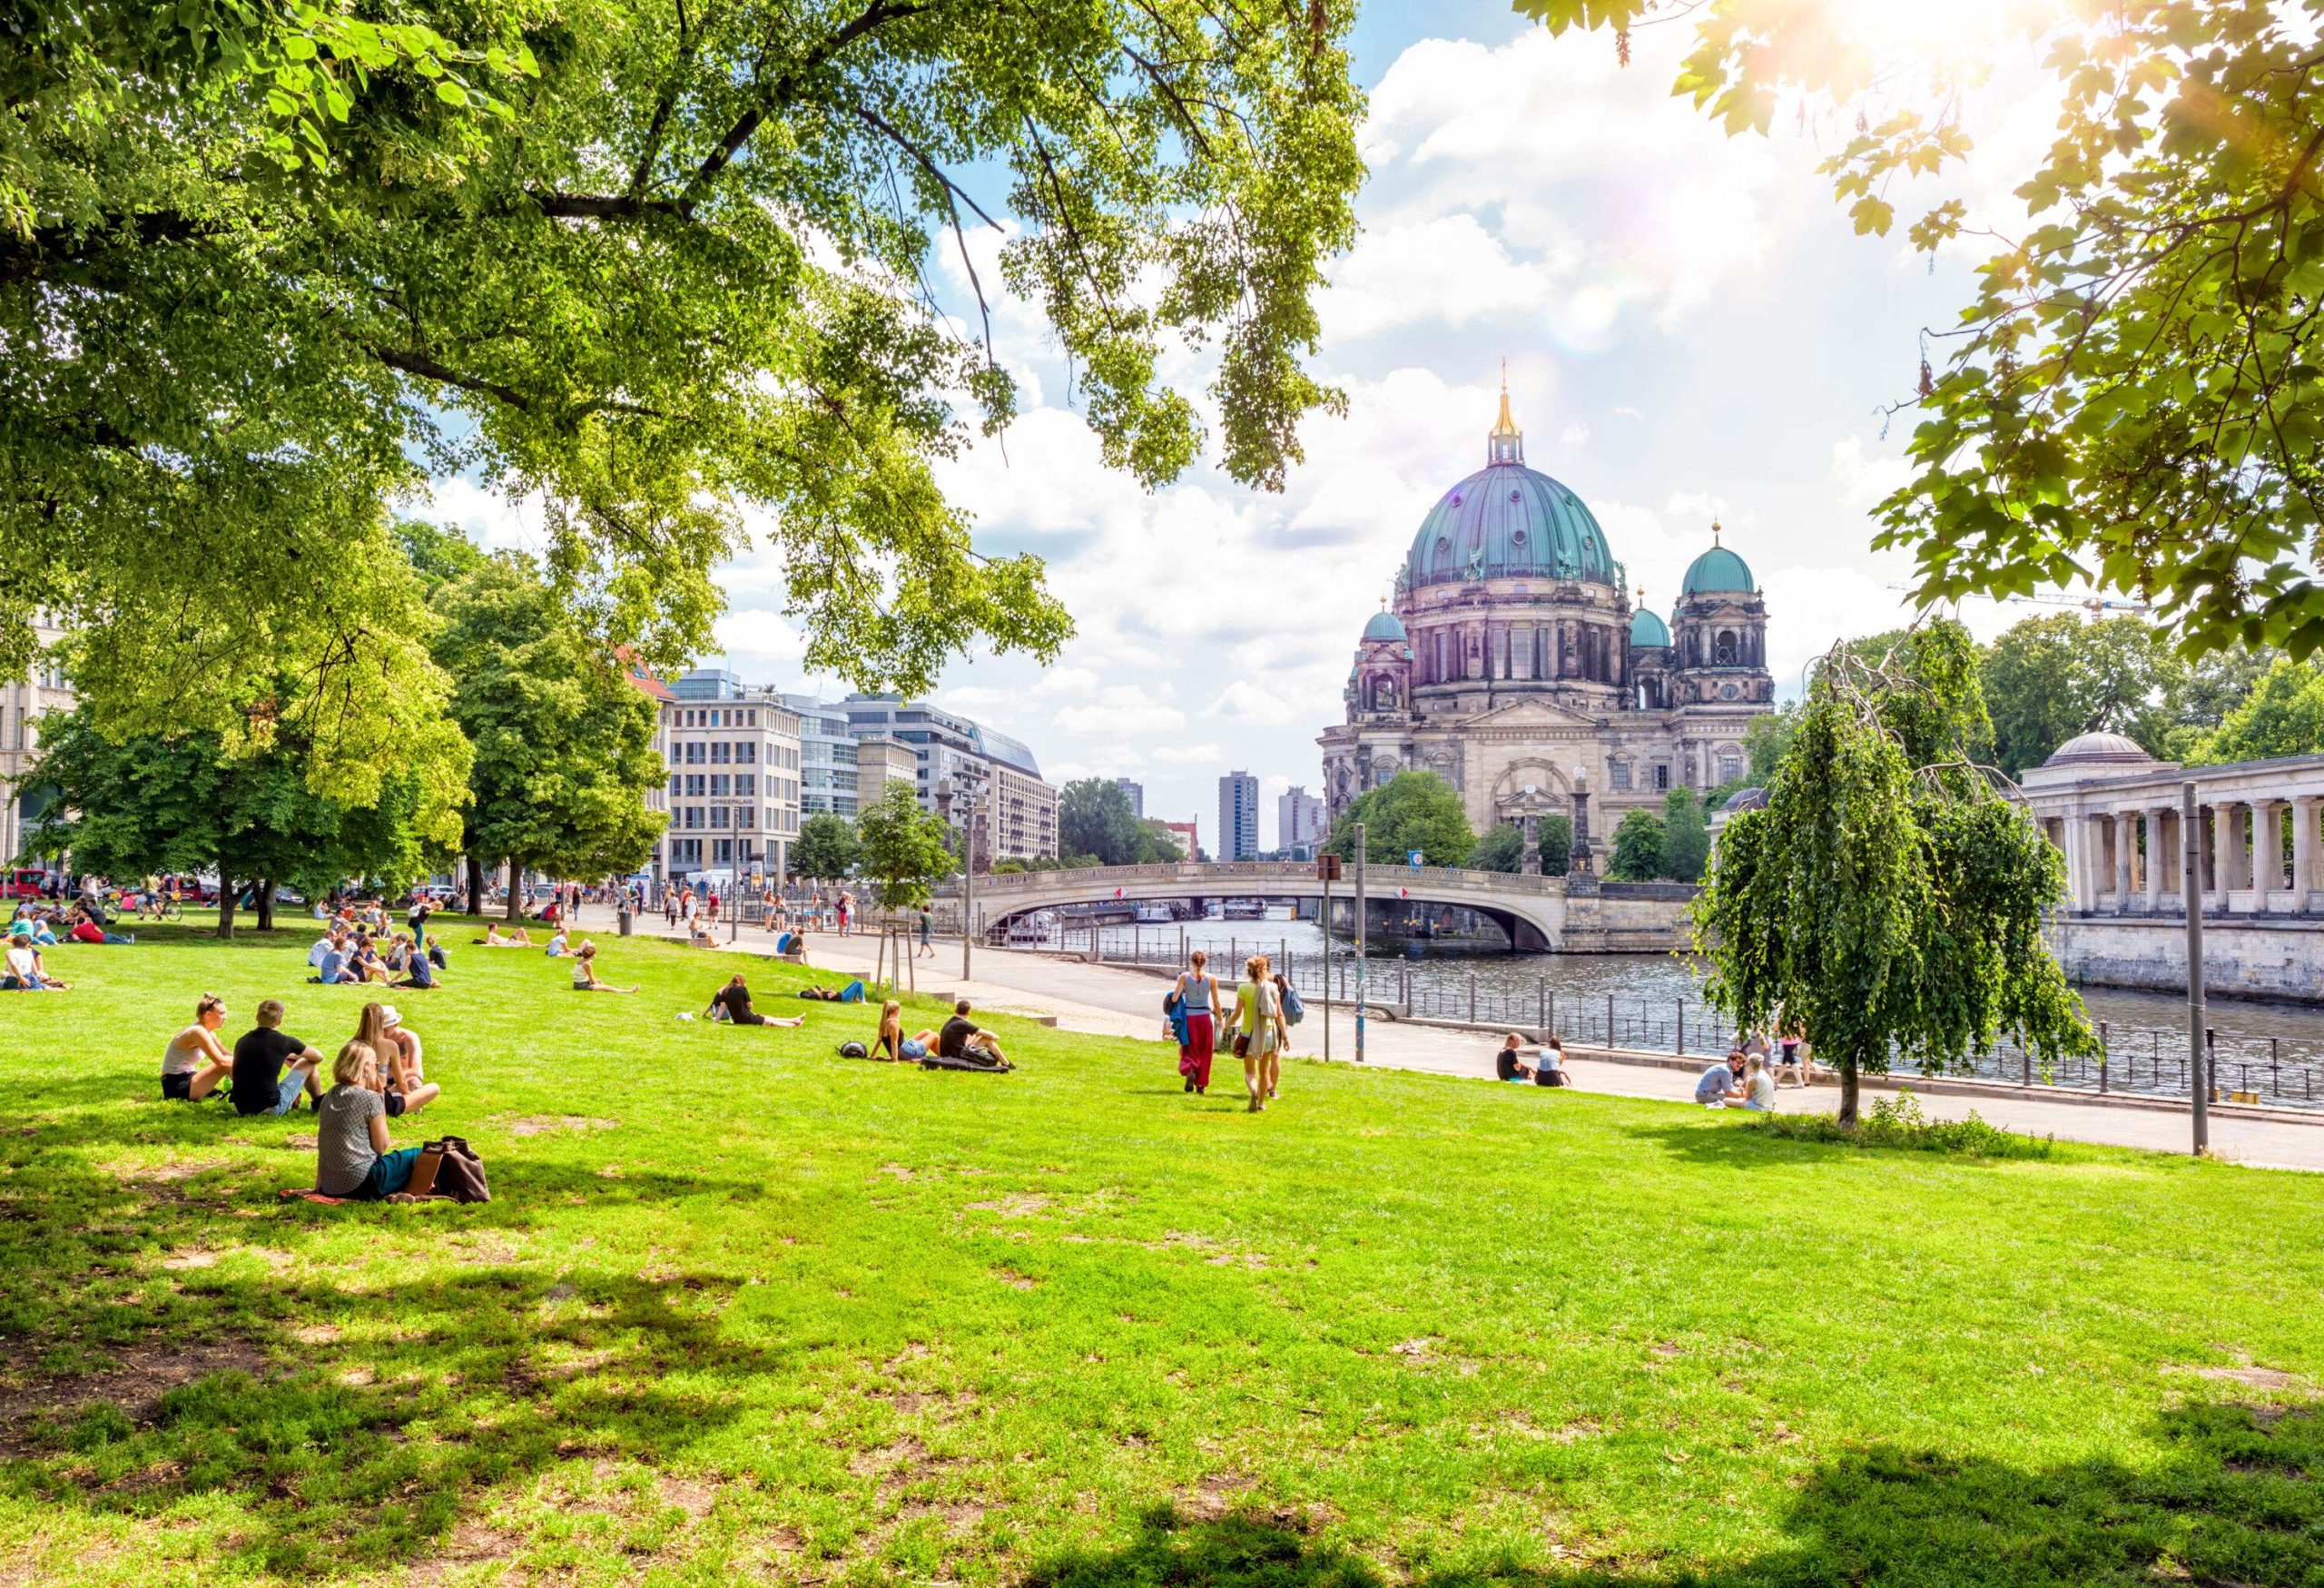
column 2143, row 1060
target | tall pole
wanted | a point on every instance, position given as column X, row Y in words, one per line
column 968, row 885
column 1324, row 868
column 1359, row 942
column 2190, row 854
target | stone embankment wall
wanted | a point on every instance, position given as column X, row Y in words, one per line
column 1617, row 918
column 2276, row 959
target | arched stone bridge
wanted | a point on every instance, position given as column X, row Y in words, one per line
column 1532, row 910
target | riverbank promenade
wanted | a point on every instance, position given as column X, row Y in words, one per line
column 1121, row 1002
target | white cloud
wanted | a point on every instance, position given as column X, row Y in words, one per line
column 1864, row 481
column 1188, row 755
column 1246, row 702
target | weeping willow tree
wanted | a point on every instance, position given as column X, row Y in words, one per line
column 1889, row 897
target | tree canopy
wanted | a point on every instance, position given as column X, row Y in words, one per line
column 1413, row 810
column 2282, row 715
column 660, row 270
column 1637, row 854
column 1095, row 818
column 1686, row 836
column 827, row 848
column 2134, row 394
column 1502, row 848
column 1889, row 899
column 904, row 848
column 564, row 743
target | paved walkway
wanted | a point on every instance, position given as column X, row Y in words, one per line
column 1109, row 1001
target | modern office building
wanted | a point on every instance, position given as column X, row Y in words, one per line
column 734, row 795
column 1298, row 820
column 23, row 701
column 996, row 774
column 1238, row 816
column 827, row 758
column 1136, row 792
column 878, row 764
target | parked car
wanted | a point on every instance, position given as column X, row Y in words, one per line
column 32, row 883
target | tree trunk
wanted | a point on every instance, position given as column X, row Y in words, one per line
column 476, row 885
column 225, row 906
column 265, row 901
column 516, row 889
column 1848, row 1091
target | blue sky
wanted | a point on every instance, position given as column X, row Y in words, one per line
column 1691, row 329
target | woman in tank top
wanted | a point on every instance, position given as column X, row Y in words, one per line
column 195, row 1061
column 1198, row 994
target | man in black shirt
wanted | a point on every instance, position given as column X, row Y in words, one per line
column 961, row 1039
column 733, row 1003
column 271, row 1070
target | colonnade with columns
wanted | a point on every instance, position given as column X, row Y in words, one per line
column 2260, row 852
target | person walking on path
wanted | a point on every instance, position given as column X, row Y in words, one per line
column 1261, row 1034
column 1196, row 991
column 927, row 935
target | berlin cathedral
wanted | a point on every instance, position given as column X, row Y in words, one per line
column 1511, row 663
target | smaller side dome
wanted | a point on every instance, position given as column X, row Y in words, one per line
column 1716, row 572
column 1647, row 630
column 2100, row 750
column 1745, row 799
column 1385, row 626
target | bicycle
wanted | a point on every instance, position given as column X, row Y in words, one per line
column 160, row 907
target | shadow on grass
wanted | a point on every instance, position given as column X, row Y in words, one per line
column 2230, row 1502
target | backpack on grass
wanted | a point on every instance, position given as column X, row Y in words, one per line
column 458, row 1175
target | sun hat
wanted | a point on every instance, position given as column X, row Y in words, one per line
column 388, row 1015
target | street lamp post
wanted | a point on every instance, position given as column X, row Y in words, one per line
column 946, row 797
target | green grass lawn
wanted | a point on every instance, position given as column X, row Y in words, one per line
column 744, row 1310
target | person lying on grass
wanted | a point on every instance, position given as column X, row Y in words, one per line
column 270, row 1069
column 515, row 937
column 732, row 1003
column 891, row 1045
column 961, row 1038
column 195, row 1061
column 584, row 973
column 22, row 970
column 84, row 930
column 354, row 1157
column 406, row 1087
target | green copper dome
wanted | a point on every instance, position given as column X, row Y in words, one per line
column 1508, row 522
column 1384, row 626
column 1717, row 571
column 1647, row 629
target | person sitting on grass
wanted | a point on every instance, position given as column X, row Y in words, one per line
column 436, row 957
column 22, row 970
column 891, row 1045
column 732, row 1003
column 1758, row 1086
column 1507, row 1065
column 1549, row 1064
column 557, row 942
column 402, row 1081
column 584, row 973
column 270, row 1069
column 1720, row 1084
column 961, row 1038
column 195, row 1061
column 354, row 1157
column 329, row 954
column 417, row 970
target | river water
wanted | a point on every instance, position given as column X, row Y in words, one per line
column 1655, row 1001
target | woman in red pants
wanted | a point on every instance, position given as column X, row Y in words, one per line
column 1197, row 993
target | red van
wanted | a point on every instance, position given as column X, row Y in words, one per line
column 24, row 884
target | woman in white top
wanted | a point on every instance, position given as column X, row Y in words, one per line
column 584, row 974
column 1758, row 1086
column 557, row 945
column 195, row 1061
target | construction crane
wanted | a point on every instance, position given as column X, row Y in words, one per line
column 2093, row 605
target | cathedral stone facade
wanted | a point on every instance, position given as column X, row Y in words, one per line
column 1512, row 663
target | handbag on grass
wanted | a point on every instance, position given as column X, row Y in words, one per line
column 423, row 1171
column 460, row 1176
